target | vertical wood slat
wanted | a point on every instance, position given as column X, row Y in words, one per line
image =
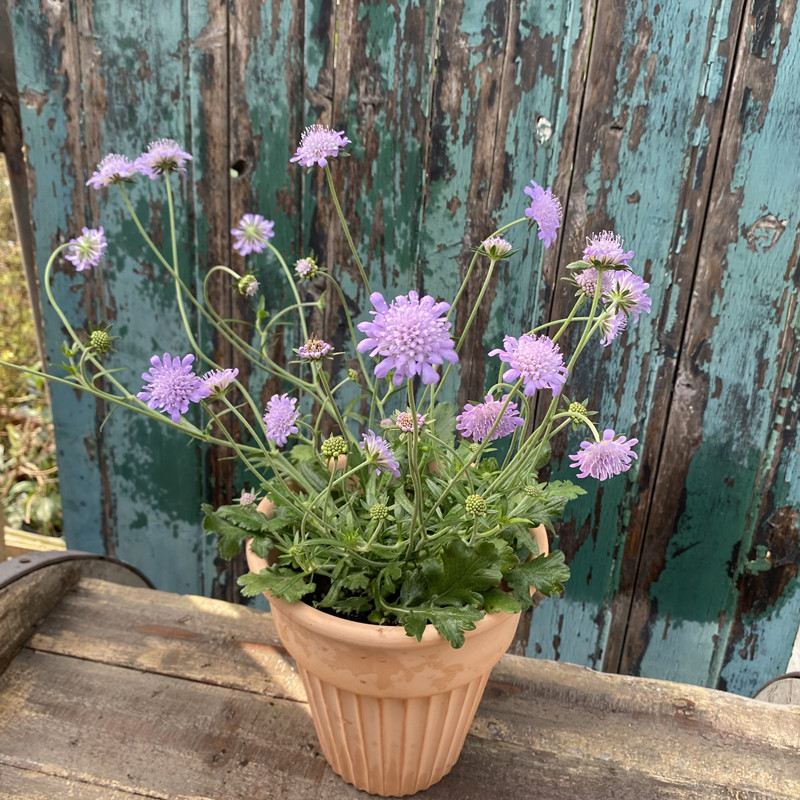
column 452, row 144
column 731, row 429
column 640, row 170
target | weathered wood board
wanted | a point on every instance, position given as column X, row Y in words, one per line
column 140, row 693
column 670, row 123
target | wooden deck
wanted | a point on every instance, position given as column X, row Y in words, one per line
column 124, row 691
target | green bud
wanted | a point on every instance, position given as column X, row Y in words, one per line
column 475, row 505
column 378, row 511
column 532, row 490
column 353, row 375
column 334, row 446
column 101, row 341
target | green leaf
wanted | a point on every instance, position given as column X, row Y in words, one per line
column 578, row 265
column 233, row 524
column 546, row 574
column 444, row 425
column 283, row 582
column 450, row 622
column 497, row 600
column 458, row 575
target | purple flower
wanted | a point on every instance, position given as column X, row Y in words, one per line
column 403, row 421
column 318, row 144
column 379, row 453
column 280, row 418
column 306, row 268
column 611, row 327
column 412, row 334
column 87, row 250
column 218, row 380
column 476, row 421
column 605, row 458
column 252, row 234
column 496, row 247
column 162, row 156
column 605, row 250
column 172, row 385
column 112, row 169
column 545, row 209
column 314, row 349
column 247, row 285
column 535, row 359
column 247, row 498
column 626, row 294
column 587, row 280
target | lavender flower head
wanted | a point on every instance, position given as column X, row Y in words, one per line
column 252, row 234
column 587, row 280
column 535, row 359
column 496, row 247
column 318, row 144
column 476, row 421
column 606, row 458
column 247, row 285
column 306, row 268
column 626, row 294
column 411, row 334
column 611, row 327
column 605, row 250
column 161, row 157
column 280, row 418
column 247, row 498
column 86, row 251
column 403, row 421
column 112, row 169
column 218, row 380
column 379, row 453
column 171, row 385
column 314, row 349
column 545, row 209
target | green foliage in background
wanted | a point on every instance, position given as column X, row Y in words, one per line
column 28, row 472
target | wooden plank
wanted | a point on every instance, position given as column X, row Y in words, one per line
column 196, row 638
column 641, row 168
column 156, row 735
column 706, row 608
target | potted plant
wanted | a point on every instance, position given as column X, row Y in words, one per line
column 397, row 536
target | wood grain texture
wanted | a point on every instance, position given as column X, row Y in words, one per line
column 730, row 436
column 77, row 716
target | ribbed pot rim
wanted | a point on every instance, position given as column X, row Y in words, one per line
column 370, row 635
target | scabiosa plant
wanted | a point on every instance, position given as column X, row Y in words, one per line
column 545, row 210
column 535, row 360
column 492, row 419
column 605, row 250
column 112, row 169
column 314, row 349
column 318, row 144
column 252, row 234
column 171, row 385
column 626, row 294
column 86, row 251
column 587, row 281
column 426, row 522
column 306, row 268
column 378, row 452
column 611, row 326
column 412, row 335
column 217, row 381
column 496, row 247
column 162, row 157
column 604, row 458
column 280, row 418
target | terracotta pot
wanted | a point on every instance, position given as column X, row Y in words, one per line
column 391, row 713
